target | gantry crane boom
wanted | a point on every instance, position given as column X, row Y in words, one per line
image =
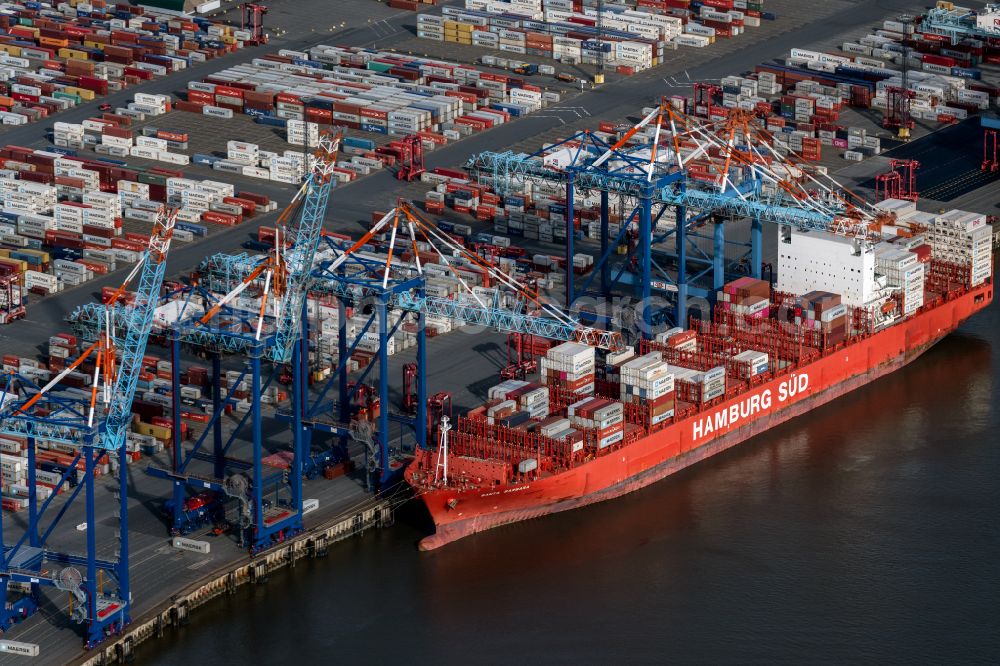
column 120, row 379
column 297, row 262
column 139, row 322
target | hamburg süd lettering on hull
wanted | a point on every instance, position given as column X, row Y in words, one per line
column 750, row 406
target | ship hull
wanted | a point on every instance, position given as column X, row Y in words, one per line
column 458, row 513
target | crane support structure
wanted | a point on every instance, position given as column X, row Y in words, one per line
column 648, row 170
column 95, row 426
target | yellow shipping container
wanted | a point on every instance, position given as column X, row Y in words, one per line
column 464, row 27
column 159, row 432
column 228, row 39
column 11, row 50
column 73, row 54
column 82, row 92
column 93, row 45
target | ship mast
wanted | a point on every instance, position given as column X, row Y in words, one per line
column 442, row 454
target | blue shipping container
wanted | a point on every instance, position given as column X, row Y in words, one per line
column 196, row 229
column 967, row 73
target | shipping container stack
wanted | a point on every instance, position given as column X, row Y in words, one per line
column 678, row 340
column 698, row 387
column 648, row 381
column 571, row 367
column 633, row 36
column 904, row 273
column 745, row 296
column 944, row 79
column 532, row 398
column 57, row 56
column 62, row 216
column 748, row 364
column 823, row 312
column 368, row 91
column 602, row 421
column 962, row 240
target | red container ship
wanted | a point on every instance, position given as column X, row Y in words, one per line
column 497, row 469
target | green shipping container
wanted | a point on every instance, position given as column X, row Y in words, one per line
column 152, row 179
column 64, row 95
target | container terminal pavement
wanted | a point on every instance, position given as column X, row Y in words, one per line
column 147, row 532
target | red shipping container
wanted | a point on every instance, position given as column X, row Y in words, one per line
column 95, row 266
column 324, row 116
column 127, row 244
column 228, row 91
column 221, row 218
column 249, row 207
column 190, row 107
column 258, row 199
column 288, row 98
column 171, row 136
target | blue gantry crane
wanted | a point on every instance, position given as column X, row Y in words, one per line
column 355, row 280
column 94, row 424
column 372, row 289
column 654, row 180
column 209, row 317
column 269, row 500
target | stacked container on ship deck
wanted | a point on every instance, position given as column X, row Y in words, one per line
column 746, row 296
column 570, row 366
column 679, row 339
column 748, row 364
column 965, row 239
column 506, row 413
column 823, row 311
column 903, row 271
column 604, row 418
column 529, row 397
column 697, row 387
column 613, row 363
column 648, row 381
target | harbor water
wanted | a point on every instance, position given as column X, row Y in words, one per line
column 866, row 531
